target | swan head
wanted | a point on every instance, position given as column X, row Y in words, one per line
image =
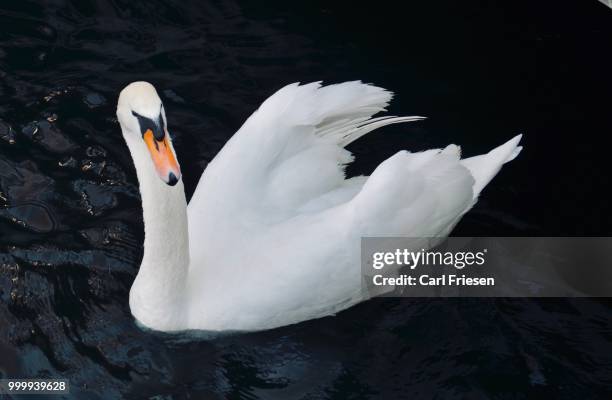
column 141, row 115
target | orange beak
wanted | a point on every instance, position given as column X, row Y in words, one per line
column 163, row 157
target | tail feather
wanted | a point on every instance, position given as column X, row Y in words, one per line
column 484, row 167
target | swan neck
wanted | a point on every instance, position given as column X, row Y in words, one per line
column 157, row 295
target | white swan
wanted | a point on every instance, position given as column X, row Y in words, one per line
column 274, row 226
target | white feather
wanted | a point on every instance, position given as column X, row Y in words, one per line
column 274, row 226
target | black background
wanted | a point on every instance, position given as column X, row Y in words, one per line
column 481, row 71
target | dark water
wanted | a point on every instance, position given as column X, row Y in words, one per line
column 70, row 218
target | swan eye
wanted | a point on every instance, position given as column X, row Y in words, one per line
column 149, row 124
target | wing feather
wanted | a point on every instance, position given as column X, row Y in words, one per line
column 291, row 152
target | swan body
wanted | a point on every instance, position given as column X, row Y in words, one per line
column 272, row 234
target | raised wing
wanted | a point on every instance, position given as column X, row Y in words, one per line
column 289, row 156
